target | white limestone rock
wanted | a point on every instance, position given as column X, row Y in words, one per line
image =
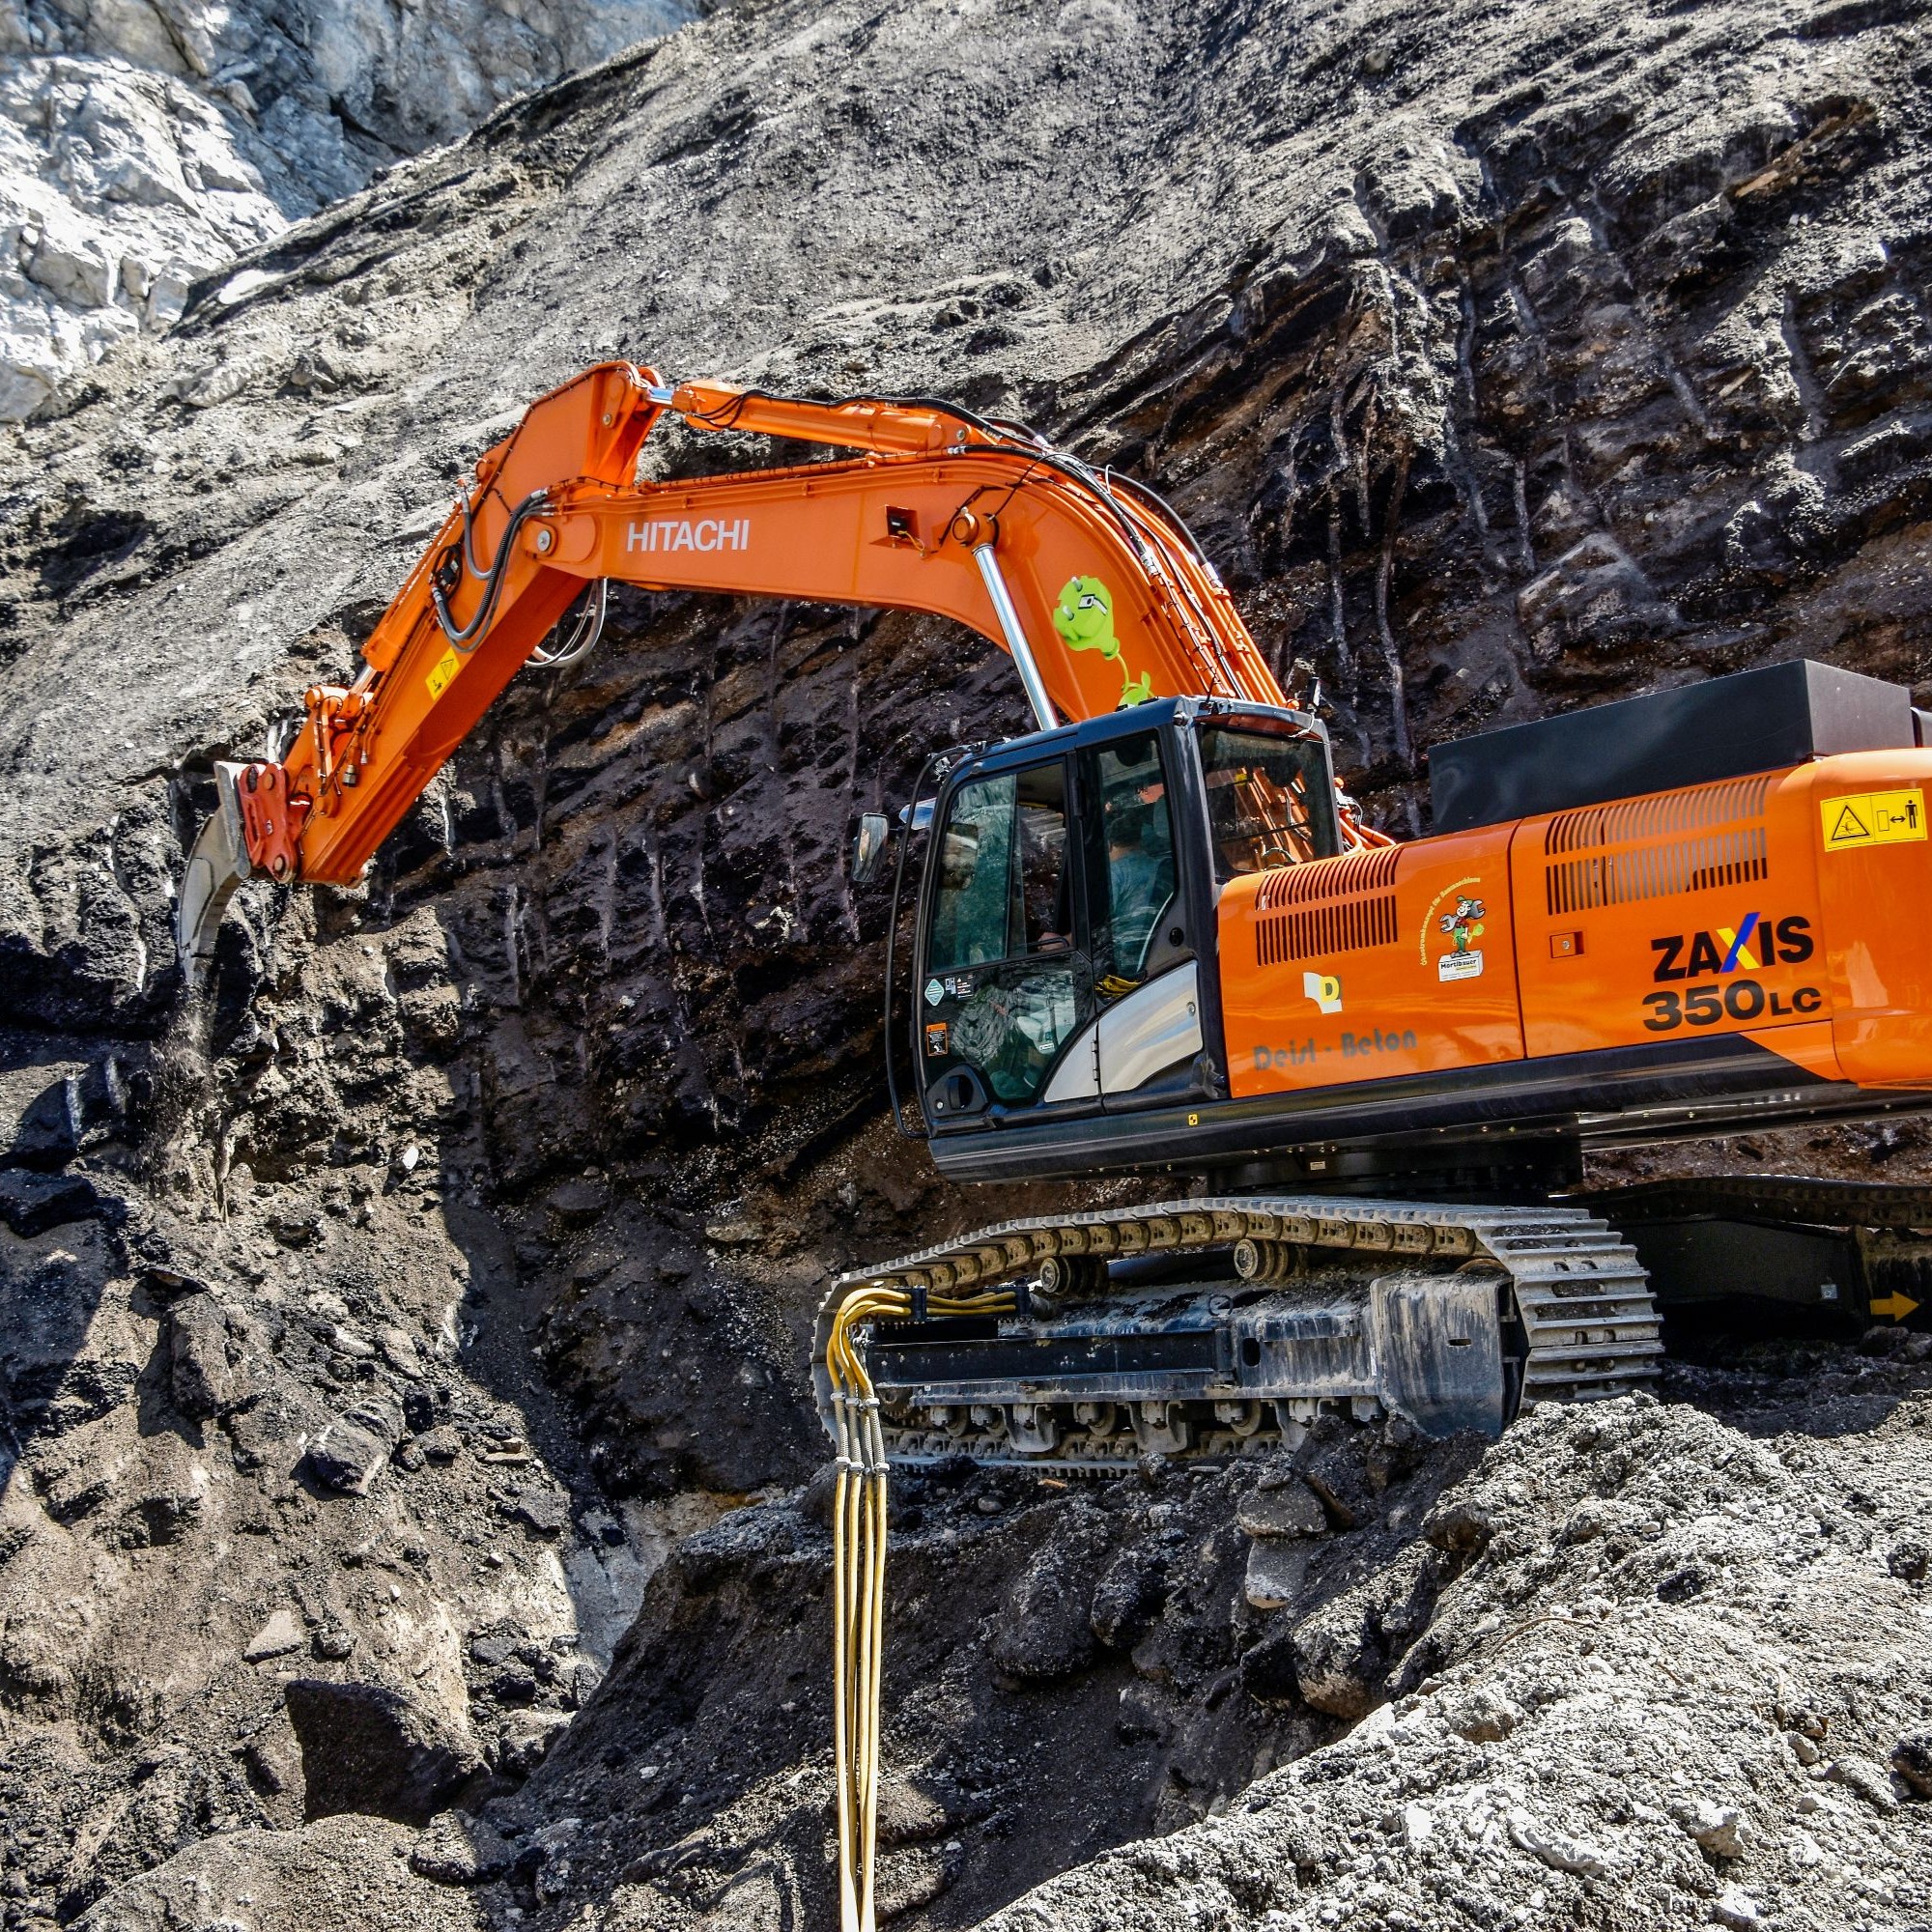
column 145, row 142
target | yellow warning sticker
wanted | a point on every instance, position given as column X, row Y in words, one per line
column 446, row 667
column 1873, row 819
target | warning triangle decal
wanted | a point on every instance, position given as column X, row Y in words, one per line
column 1850, row 826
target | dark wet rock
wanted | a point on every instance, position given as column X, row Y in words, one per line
column 492, row 1647
column 1910, row 1560
column 354, row 1449
column 1286, row 1507
column 1046, row 1630
column 48, row 1132
column 367, row 1747
column 1131, row 1590
column 578, row 1202
column 1269, row 1668
column 30, row 1203
column 1911, row 1760
column 1340, row 1658
column 1460, row 1524
column 1333, row 1464
column 210, row 1370
column 543, row 1511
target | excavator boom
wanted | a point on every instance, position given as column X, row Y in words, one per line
column 1095, row 588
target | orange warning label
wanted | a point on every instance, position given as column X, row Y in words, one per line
column 1873, row 819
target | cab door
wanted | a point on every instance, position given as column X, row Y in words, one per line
column 1146, row 986
column 1003, row 986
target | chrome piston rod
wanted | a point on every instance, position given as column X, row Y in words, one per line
column 1017, row 639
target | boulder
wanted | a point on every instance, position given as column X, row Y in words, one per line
column 367, row 1747
column 1275, row 1574
column 209, row 1371
column 30, row 1203
column 1285, row 1508
column 282, row 1635
column 541, row 1510
column 1339, row 1659
column 1131, row 1591
column 352, row 1450
column 459, row 1849
column 1046, row 1630
column 1912, row 1759
column 1332, row 1462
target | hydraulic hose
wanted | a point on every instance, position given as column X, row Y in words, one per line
column 584, row 634
column 466, row 637
column 859, row 1575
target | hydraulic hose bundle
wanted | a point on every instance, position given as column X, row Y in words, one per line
column 858, row 1574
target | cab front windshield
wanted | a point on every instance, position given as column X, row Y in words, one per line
column 1271, row 801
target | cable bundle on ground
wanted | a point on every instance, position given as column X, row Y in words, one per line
column 858, row 1579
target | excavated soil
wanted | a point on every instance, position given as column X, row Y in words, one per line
column 410, row 1511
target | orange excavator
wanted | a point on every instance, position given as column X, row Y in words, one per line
column 1153, row 936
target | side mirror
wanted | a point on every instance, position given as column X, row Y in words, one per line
column 870, row 847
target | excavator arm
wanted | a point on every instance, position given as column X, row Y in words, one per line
column 1090, row 583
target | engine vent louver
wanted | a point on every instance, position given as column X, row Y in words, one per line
column 1652, row 848
column 1337, row 905
column 1368, row 871
column 1345, row 926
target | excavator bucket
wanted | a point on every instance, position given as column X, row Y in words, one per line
column 216, row 865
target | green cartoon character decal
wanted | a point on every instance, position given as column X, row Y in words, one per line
column 1084, row 617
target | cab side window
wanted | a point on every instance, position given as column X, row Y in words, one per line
column 973, row 904
column 1269, row 800
column 1133, row 847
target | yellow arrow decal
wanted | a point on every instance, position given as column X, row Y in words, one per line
column 1897, row 1306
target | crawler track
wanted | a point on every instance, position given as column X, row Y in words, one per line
column 1303, row 1303
column 1778, row 1198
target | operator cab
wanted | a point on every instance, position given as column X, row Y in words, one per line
column 1064, row 962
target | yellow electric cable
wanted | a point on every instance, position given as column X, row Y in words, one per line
column 859, row 1576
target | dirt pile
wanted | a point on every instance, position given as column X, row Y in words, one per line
column 1662, row 1687
column 389, row 1322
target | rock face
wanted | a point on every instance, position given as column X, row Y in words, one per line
column 141, row 147
column 1502, row 356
